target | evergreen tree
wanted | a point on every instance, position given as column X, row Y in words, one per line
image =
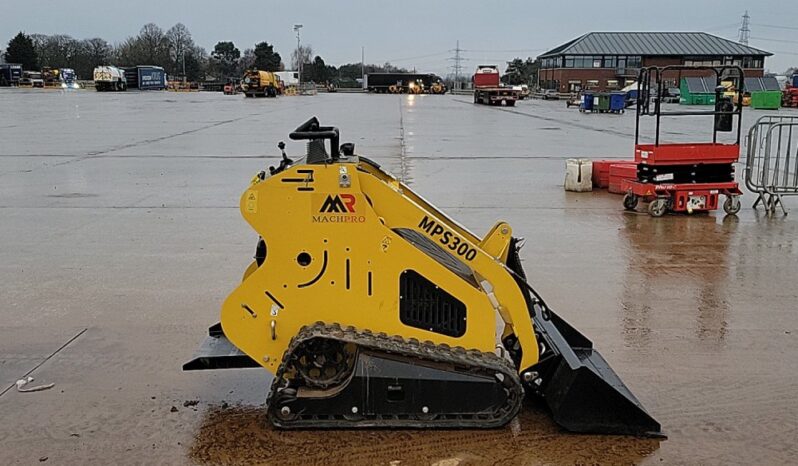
column 226, row 56
column 266, row 59
column 20, row 50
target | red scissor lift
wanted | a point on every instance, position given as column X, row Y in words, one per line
column 686, row 177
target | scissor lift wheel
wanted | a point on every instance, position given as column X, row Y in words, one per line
column 658, row 207
column 630, row 201
column 731, row 205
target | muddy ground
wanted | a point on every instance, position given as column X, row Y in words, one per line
column 121, row 236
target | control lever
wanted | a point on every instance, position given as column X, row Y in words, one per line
column 284, row 163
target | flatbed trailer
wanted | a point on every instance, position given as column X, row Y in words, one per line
column 504, row 96
column 488, row 89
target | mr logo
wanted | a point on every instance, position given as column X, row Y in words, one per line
column 339, row 204
column 335, row 208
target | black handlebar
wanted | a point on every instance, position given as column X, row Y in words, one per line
column 312, row 130
column 656, row 74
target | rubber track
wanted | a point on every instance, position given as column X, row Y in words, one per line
column 470, row 361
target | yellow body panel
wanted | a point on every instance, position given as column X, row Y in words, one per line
column 333, row 255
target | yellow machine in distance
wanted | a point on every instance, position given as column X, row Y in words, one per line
column 372, row 308
column 260, row 84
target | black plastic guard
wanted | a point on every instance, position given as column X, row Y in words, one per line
column 217, row 352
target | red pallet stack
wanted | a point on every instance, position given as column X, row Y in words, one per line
column 610, row 173
column 619, row 172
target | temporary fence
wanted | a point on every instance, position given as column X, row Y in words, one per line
column 771, row 165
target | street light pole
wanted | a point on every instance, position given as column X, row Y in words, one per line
column 297, row 27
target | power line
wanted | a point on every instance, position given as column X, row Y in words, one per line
column 420, row 56
column 734, row 25
column 776, row 40
column 773, row 26
column 506, row 50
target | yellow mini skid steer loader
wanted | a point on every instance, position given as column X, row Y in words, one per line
column 372, row 308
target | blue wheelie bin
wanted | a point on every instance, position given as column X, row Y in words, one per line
column 587, row 102
column 617, row 102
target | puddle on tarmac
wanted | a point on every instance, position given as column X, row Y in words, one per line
column 241, row 435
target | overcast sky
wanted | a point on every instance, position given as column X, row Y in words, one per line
column 408, row 32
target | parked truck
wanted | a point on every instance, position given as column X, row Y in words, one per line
column 69, row 79
column 109, row 78
column 10, row 74
column 260, row 84
column 404, row 83
column 488, row 89
column 145, row 78
column 52, row 77
column 31, row 79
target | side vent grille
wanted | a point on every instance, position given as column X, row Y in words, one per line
column 423, row 305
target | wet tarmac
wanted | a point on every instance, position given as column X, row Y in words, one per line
column 121, row 236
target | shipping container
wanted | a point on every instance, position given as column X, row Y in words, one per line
column 146, row 78
column 10, row 74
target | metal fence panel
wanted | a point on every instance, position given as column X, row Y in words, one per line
column 771, row 166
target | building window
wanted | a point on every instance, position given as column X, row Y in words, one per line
column 757, row 63
column 555, row 62
column 610, row 62
column 612, row 83
column 583, row 62
column 711, row 61
column 575, row 85
column 569, row 61
column 596, row 62
column 633, row 61
column 592, row 83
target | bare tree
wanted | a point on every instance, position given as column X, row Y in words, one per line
column 127, row 52
column 301, row 55
column 179, row 43
column 152, row 45
column 98, row 49
column 247, row 60
column 56, row 51
column 91, row 53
